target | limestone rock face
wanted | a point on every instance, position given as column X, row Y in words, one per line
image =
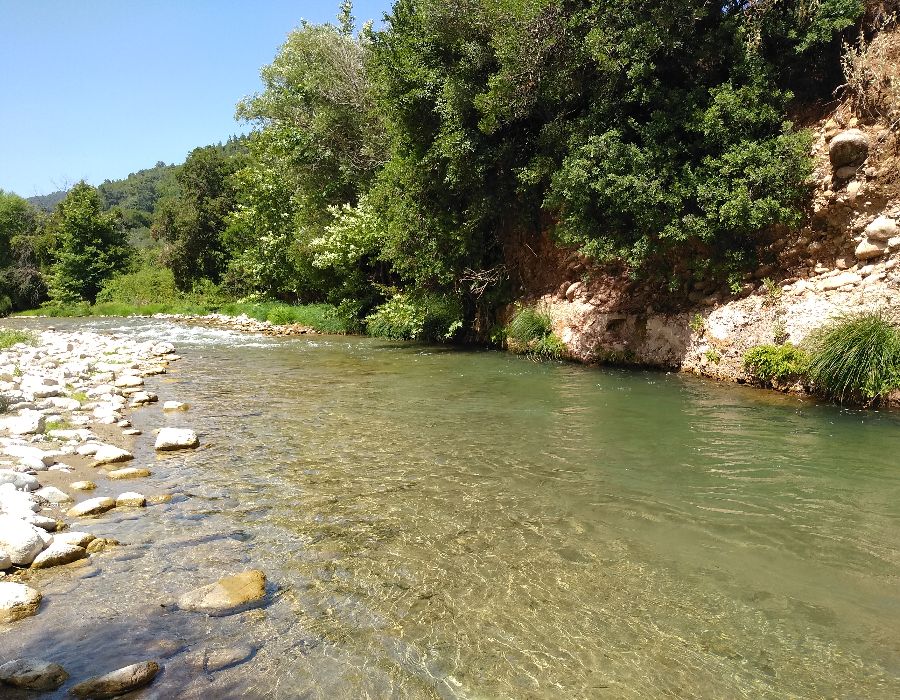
column 118, row 682
column 57, row 554
column 850, row 147
column 228, row 595
column 33, row 674
column 21, row 541
column 17, row 601
column 176, row 439
column 92, row 506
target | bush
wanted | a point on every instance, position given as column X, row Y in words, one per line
column 530, row 333
column 408, row 317
column 856, row 359
column 150, row 285
column 780, row 364
column 872, row 71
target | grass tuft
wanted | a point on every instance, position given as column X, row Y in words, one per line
column 11, row 336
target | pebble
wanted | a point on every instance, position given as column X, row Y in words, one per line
column 83, row 485
column 129, row 473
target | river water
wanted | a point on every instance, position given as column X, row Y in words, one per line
column 440, row 523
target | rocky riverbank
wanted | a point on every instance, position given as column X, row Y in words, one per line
column 241, row 324
column 66, row 459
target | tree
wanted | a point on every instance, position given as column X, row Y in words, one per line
column 90, row 246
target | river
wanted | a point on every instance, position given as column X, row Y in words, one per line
column 443, row 523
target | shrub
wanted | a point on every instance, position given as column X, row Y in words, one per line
column 856, row 359
column 150, row 285
column 872, row 71
column 424, row 317
column 781, row 364
column 10, row 336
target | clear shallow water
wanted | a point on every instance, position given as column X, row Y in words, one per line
column 448, row 524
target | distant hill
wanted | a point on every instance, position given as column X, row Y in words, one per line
column 47, row 202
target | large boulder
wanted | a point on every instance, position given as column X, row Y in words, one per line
column 176, row 439
column 118, row 682
column 20, row 540
column 228, row 595
column 868, row 249
column 28, row 422
column 33, row 674
column 850, row 147
column 22, row 482
column 17, row 601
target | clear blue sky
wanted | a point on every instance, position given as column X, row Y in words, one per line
column 96, row 89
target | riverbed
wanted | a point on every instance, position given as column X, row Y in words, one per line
column 443, row 523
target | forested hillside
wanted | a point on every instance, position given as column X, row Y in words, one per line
column 387, row 169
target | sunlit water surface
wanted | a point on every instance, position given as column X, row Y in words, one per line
column 450, row 524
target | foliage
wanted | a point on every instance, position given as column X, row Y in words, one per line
column 856, row 359
column 148, row 285
column 713, row 355
column 11, row 336
column 530, row 332
column 872, row 71
column 781, row 364
column 698, row 323
column 89, row 246
column 424, row 317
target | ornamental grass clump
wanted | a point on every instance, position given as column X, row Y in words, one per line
column 856, row 359
column 530, row 332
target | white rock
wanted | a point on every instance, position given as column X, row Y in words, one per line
column 129, row 380
column 28, row 422
column 161, row 349
column 131, row 499
column 175, row 406
column 22, row 482
column 57, row 554
column 108, row 454
column 882, row 229
column 53, row 495
column 92, row 506
column 17, row 601
column 21, row 541
column 176, row 438
column 869, row 249
column 79, row 539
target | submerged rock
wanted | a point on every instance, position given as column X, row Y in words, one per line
column 92, row 506
column 100, row 544
column 228, row 595
column 225, row 657
column 118, row 682
column 17, row 601
column 176, row 439
column 33, row 674
column 175, row 406
column 129, row 473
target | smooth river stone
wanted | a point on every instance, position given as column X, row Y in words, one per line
column 54, row 495
column 108, row 454
column 83, row 485
column 33, row 674
column 226, row 657
column 129, row 473
column 228, row 595
column 92, row 506
column 17, row 601
column 175, row 406
column 20, row 540
column 21, row 482
column 118, row 682
column 176, row 439
column 57, row 554
column 79, row 539
column 131, row 499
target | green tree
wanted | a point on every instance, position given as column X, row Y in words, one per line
column 90, row 246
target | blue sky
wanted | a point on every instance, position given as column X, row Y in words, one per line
column 96, row 89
